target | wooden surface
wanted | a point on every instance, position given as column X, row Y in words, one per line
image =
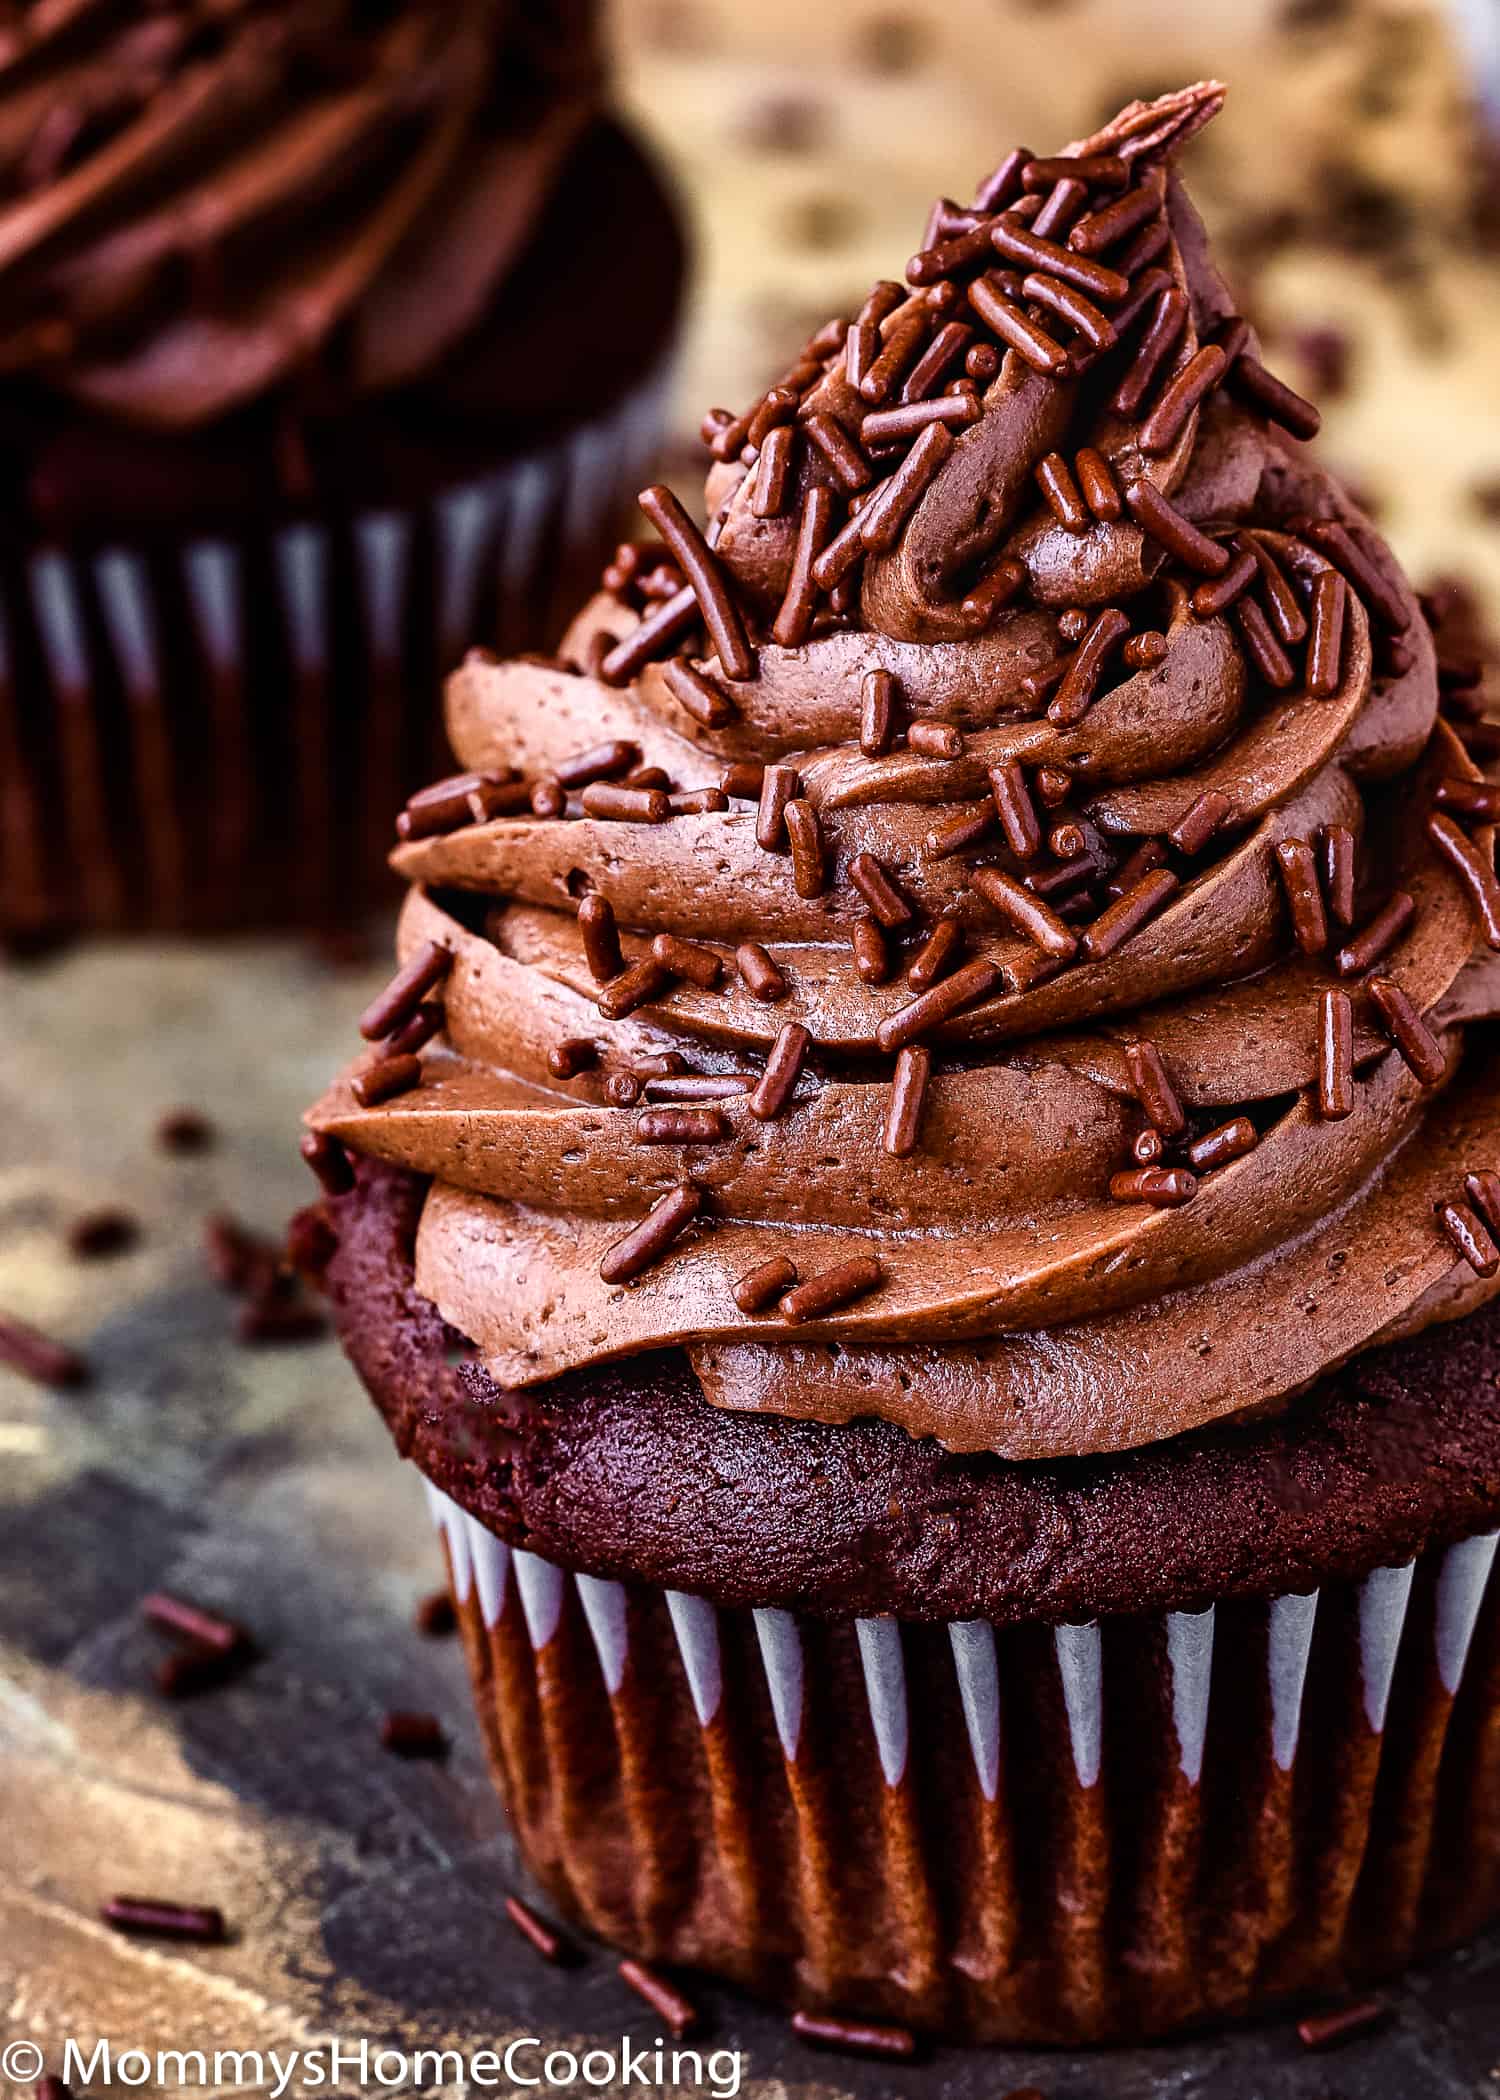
column 362, row 1893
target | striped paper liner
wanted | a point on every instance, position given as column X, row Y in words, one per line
column 1071, row 1833
column 220, row 733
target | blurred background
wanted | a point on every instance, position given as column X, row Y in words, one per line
column 1352, row 186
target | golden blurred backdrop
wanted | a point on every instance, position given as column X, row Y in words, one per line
column 1350, row 184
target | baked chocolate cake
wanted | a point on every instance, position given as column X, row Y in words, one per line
column 927, row 1207
column 302, row 391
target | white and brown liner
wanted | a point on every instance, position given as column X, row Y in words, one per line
column 1038, row 1833
column 219, row 731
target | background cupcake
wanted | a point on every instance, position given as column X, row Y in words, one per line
column 332, row 334
column 937, row 1127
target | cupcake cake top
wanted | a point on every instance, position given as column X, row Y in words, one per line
column 990, row 935
column 209, row 198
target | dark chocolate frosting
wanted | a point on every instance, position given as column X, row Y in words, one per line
column 1043, row 639
column 203, row 201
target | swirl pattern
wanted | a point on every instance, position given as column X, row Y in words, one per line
column 988, row 936
column 203, row 201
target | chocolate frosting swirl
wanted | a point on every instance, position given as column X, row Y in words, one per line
column 214, row 198
column 1178, row 1136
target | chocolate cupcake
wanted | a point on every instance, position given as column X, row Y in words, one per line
column 306, row 387
column 935, row 1258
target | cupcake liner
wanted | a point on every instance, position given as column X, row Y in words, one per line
column 1077, row 1833
column 220, row 732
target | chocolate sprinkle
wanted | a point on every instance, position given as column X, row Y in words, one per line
column 743, row 780
column 1168, row 319
column 427, row 966
column 1016, row 329
column 877, row 716
column 150, row 1917
column 1470, row 798
column 1080, row 681
column 1262, row 647
column 95, row 1235
column 598, row 762
column 956, row 833
column 992, row 593
column 930, row 1009
column 1483, row 1191
column 1120, row 921
column 883, row 516
column 1325, row 651
column 1164, row 1187
column 778, row 1082
column 1152, row 1084
column 874, row 884
column 1473, row 870
column 805, row 834
column 1299, row 878
column 663, row 625
column 697, row 694
column 682, row 1126
column 413, row 1735
column 903, row 1118
column 1019, row 244
column 1180, row 398
column 383, row 1079
column 1378, row 936
column 779, row 786
column 665, row 2000
column 547, row 1942
column 774, row 472
column 645, row 1245
column 1337, row 842
column 640, row 985
column 855, row 2037
column 612, row 804
column 1274, row 398
column 700, row 966
column 1231, row 1140
column 1469, row 1236
column 1219, row 594
column 1026, row 913
column 1016, row 810
column 848, row 464
column 1167, row 525
column 936, row 956
column 1326, row 2030
column 601, row 939
column 833, row 1289
column 793, row 621
column 1101, row 491
column 1345, row 552
column 872, row 961
column 1287, row 616
column 935, row 740
column 705, row 578
column 759, row 1291
column 1419, row 1047
column 1200, row 821
column 762, row 979
column 1055, row 480
column 1335, row 1056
